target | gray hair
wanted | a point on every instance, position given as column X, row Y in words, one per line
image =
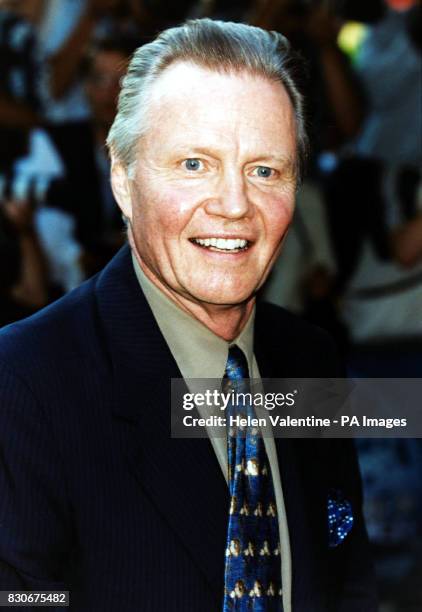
column 216, row 45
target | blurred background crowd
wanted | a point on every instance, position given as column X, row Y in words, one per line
column 352, row 262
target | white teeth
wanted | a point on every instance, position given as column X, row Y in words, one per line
column 226, row 244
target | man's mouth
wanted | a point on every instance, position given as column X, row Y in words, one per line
column 225, row 245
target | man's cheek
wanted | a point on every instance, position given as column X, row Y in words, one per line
column 278, row 227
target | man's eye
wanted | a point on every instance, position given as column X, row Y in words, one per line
column 263, row 171
column 193, row 164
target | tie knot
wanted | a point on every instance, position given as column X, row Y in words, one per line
column 237, row 366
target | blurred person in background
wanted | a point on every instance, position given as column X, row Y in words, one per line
column 375, row 212
column 66, row 32
column 23, row 277
column 105, row 66
column 30, row 167
column 19, row 78
column 67, row 29
column 375, row 204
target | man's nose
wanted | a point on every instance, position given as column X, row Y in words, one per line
column 230, row 198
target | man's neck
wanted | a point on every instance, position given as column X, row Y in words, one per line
column 225, row 321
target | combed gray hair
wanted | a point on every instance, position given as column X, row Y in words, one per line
column 216, row 45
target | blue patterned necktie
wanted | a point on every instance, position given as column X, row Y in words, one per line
column 253, row 567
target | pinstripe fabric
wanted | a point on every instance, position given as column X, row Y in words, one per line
column 97, row 498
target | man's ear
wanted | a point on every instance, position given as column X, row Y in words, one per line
column 121, row 188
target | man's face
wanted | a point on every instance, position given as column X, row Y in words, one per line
column 213, row 187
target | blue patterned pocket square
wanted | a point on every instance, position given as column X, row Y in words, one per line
column 340, row 518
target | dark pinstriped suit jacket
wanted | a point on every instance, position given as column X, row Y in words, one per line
column 97, row 498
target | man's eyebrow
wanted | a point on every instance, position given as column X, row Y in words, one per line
column 192, row 150
column 283, row 160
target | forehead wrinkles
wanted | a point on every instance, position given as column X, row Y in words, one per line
column 182, row 82
column 202, row 101
column 221, row 110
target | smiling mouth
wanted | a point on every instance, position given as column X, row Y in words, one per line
column 222, row 245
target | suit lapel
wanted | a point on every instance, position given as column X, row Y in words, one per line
column 181, row 477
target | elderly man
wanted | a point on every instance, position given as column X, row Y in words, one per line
column 96, row 496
